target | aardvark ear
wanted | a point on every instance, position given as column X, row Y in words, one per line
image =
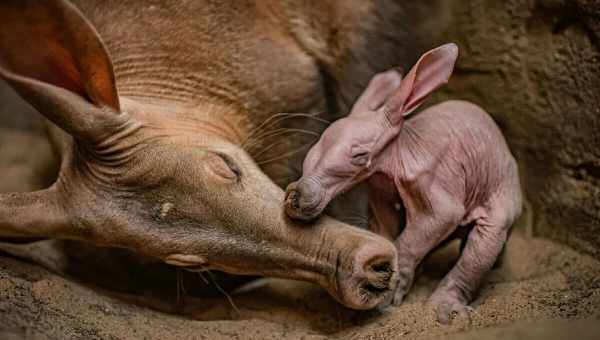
column 381, row 86
column 54, row 58
column 429, row 73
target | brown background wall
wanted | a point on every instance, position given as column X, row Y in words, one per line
column 535, row 66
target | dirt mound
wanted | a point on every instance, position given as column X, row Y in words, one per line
column 539, row 280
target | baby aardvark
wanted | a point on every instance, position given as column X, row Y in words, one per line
column 448, row 165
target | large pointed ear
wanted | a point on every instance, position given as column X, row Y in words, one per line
column 429, row 73
column 53, row 57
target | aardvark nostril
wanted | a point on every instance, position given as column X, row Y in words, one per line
column 379, row 276
column 384, row 267
column 376, row 288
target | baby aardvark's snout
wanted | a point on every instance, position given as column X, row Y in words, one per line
column 304, row 200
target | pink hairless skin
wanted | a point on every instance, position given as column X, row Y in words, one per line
column 449, row 166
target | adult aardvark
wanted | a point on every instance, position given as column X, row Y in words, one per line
column 150, row 103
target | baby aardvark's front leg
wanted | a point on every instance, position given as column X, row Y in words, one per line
column 426, row 227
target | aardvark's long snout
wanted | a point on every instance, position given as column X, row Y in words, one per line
column 365, row 272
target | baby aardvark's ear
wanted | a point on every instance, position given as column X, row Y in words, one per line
column 381, row 86
column 429, row 73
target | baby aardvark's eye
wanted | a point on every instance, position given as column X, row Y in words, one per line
column 360, row 158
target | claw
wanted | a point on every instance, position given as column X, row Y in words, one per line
column 447, row 311
column 405, row 281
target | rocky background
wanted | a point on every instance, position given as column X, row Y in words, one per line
column 535, row 66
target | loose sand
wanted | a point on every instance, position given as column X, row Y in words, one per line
column 539, row 280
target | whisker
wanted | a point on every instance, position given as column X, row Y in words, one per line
column 220, row 289
column 257, row 155
column 313, row 116
column 309, row 116
column 266, row 122
column 267, row 148
column 279, row 132
column 285, row 155
column 279, row 117
column 260, row 138
column 203, row 278
column 269, row 121
column 260, row 126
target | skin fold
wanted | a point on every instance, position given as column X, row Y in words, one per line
column 446, row 167
column 149, row 105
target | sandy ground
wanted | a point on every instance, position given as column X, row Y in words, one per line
column 539, row 280
column 542, row 290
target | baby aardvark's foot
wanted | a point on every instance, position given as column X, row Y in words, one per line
column 448, row 307
column 406, row 275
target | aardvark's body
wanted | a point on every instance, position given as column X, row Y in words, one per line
column 449, row 166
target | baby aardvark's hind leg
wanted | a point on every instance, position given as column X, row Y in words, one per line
column 484, row 244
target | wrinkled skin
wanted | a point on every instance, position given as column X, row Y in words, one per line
column 154, row 170
column 448, row 166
